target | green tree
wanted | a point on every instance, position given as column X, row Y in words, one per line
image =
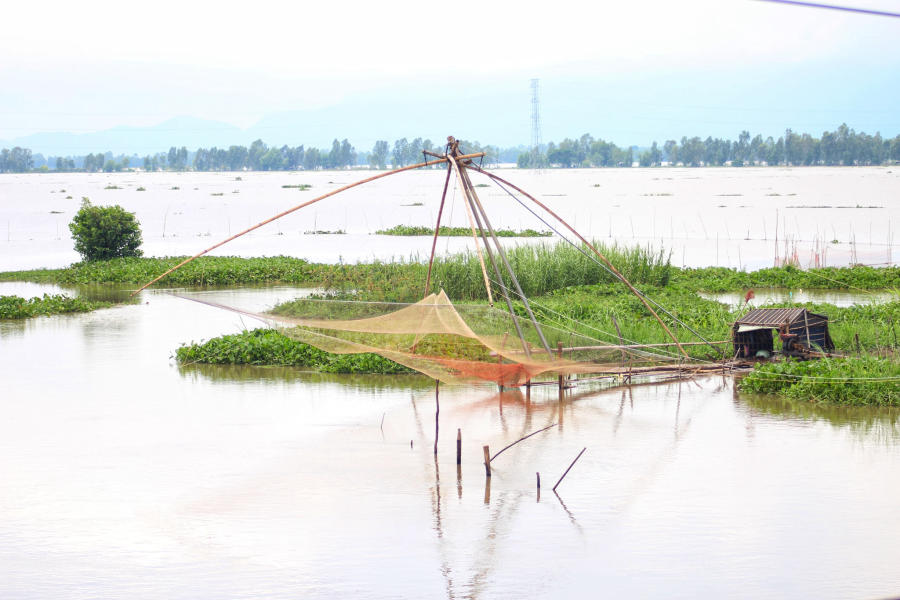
column 378, row 158
column 104, row 232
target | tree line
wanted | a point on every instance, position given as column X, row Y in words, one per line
column 843, row 146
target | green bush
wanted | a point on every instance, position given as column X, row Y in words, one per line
column 104, row 232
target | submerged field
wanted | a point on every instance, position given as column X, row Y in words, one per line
column 568, row 291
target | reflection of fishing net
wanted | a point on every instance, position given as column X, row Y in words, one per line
column 450, row 343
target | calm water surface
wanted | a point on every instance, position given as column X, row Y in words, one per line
column 716, row 216
column 125, row 475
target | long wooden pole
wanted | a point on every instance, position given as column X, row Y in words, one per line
column 595, row 251
column 298, row 207
column 437, row 228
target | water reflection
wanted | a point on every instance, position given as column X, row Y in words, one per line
column 237, row 373
column 123, row 469
column 869, row 423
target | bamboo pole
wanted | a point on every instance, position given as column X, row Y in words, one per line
column 487, row 461
column 603, row 258
column 437, row 228
column 628, row 346
column 476, row 202
column 458, row 447
column 487, row 280
column 569, row 469
column 455, row 164
column 290, row 210
column 521, row 439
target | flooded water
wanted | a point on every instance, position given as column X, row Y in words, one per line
column 718, row 216
column 126, row 475
column 765, row 296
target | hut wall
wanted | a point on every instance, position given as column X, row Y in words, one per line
column 818, row 335
column 748, row 343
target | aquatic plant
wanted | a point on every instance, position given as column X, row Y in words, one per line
column 270, row 347
column 16, row 307
column 866, row 381
column 412, row 230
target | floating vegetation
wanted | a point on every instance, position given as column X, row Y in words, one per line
column 414, row 204
column 68, row 197
column 112, row 187
column 235, row 191
column 729, row 195
column 270, row 347
column 412, row 230
column 174, row 187
column 866, row 381
column 660, row 194
column 238, row 178
column 56, row 212
column 298, row 186
column 828, row 206
column 217, row 194
column 325, row 232
column 141, row 189
column 15, row 307
column 482, row 185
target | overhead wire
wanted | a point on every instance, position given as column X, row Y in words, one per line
column 853, row 9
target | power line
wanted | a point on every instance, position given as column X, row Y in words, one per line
column 866, row 11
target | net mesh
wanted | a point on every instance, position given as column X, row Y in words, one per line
column 454, row 344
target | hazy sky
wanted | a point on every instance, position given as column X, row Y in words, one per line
column 83, row 66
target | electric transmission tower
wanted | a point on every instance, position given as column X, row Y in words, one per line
column 536, row 160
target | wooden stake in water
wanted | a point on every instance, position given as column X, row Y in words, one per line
column 487, row 461
column 437, row 413
column 569, row 469
column 459, row 446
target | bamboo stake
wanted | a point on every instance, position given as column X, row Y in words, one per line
column 559, row 380
column 459, row 447
column 487, row 461
column 289, row 211
column 595, row 251
column 521, row 439
column 569, row 469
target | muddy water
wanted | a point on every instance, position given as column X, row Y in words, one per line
column 727, row 217
column 125, row 475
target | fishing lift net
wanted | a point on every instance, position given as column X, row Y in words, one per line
column 465, row 342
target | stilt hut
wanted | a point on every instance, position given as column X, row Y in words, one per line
column 798, row 330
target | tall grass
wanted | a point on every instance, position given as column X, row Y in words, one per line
column 543, row 268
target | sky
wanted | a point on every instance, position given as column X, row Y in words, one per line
column 629, row 72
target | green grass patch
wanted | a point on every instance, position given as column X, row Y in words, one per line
column 15, row 307
column 721, row 279
column 866, row 381
column 298, row 186
column 411, row 230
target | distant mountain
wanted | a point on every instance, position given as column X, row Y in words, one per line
column 180, row 131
